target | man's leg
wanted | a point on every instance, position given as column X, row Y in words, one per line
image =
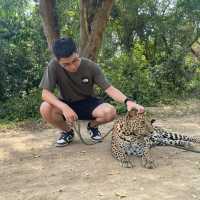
column 103, row 113
column 54, row 116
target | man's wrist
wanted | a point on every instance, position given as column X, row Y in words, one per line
column 127, row 99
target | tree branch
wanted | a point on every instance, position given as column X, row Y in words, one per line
column 97, row 24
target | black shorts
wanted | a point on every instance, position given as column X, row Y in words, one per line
column 84, row 108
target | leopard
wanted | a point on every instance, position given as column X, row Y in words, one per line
column 131, row 129
column 135, row 134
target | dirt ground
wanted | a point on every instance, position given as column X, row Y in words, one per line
column 32, row 168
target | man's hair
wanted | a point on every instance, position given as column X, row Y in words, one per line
column 64, row 47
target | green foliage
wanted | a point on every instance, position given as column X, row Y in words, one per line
column 21, row 107
column 23, row 48
column 132, row 75
column 147, row 45
column 23, row 52
column 68, row 14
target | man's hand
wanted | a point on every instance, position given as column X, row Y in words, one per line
column 69, row 114
column 131, row 104
column 118, row 96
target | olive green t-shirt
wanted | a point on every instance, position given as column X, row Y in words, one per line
column 74, row 86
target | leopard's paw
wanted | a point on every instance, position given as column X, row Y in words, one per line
column 149, row 164
column 127, row 164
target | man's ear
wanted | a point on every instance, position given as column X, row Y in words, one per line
column 152, row 121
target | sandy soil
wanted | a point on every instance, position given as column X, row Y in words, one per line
column 32, row 168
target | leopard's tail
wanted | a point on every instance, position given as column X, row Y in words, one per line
column 176, row 136
column 166, row 138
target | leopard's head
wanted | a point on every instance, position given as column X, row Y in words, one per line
column 139, row 124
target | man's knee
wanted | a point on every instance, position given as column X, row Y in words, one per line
column 45, row 108
column 110, row 113
column 105, row 112
column 50, row 113
column 47, row 111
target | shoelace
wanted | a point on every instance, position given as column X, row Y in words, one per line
column 95, row 131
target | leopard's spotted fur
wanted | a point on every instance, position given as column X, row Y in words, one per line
column 129, row 129
column 134, row 134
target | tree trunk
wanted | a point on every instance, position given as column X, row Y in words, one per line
column 50, row 20
column 94, row 15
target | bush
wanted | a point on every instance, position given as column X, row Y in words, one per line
column 21, row 108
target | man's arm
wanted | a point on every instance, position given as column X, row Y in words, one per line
column 50, row 98
column 118, row 96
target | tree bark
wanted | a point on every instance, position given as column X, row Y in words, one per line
column 94, row 15
column 49, row 20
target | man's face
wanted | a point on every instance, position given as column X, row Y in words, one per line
column 70, row 63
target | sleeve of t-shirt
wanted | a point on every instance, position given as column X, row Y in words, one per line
column 100, row 79
column 49, row 79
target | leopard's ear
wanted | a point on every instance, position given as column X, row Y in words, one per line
column 152, row 121
column 132, row 112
